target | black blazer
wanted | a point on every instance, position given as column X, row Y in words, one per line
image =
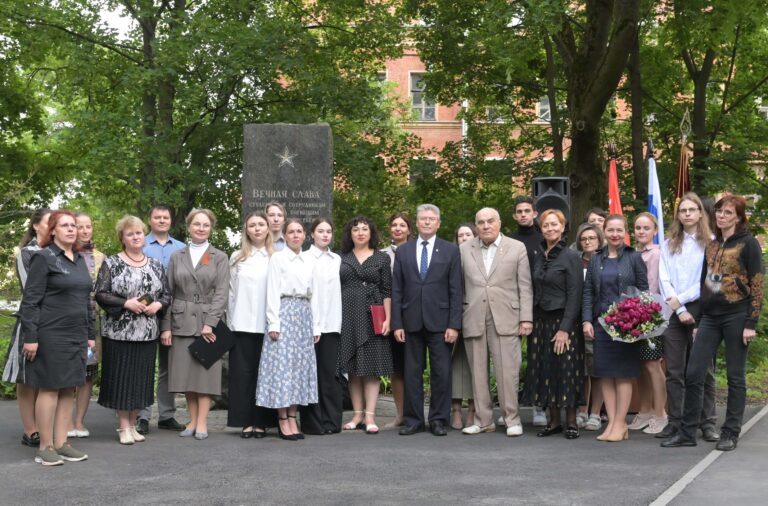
column 631, row 273
column 435, row 303
column 557, row 283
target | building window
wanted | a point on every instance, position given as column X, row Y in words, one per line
column 423, row 107
column 543, row 113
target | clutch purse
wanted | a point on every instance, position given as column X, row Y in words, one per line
column 378, row 315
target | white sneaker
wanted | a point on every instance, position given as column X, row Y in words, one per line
column 656, row 425
column 581, row 419
column 515, row 430
column 476, row 429
column 539, row 417
column 640, row 421
column 593, row 423
column 500, row 422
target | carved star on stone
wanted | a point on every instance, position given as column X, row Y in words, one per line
column 286, row 158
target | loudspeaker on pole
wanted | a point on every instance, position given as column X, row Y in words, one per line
column 553, row 193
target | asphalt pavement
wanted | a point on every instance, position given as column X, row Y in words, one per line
column 355, row 468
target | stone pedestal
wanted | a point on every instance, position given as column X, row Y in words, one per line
column 290, row 164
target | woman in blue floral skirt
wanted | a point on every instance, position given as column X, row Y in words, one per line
column 288, row 370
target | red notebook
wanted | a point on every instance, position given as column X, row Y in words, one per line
column 378, row 315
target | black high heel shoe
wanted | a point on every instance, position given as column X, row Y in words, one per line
column 300, row 435
column 287, row 437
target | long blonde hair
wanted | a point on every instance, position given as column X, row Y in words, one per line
column 676, row 233
column 246, row 246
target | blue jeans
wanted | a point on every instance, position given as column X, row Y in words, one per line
column 712, row 330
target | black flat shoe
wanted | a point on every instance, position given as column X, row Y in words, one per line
column 727, row 442
column 246, row 434
column 259, row 434
column 676, row 441
column 33, row 440
column 549, row 430
column 437, row 428
column 571, row 432
column 410, row 430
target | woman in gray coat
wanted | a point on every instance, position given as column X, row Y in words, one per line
column 198, row 276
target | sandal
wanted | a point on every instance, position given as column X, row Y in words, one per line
column 571, row 432
column 593, row 423
column 371, row 428
column 352, row 425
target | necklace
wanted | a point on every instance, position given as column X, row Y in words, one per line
column 143, row 257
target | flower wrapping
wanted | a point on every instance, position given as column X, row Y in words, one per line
column 635, row 317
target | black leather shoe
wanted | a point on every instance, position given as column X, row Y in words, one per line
column 677, row 440
column 142, row 426
column 669, row 431
column 437, row 428
column 256, row 434
column 170, row 424
column 549, row 430
column 411, row 430
column 246, row 434
column 32, row 440
column 727, row 442
column 710, row 434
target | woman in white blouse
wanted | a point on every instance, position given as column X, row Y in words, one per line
column 288, row 370
column 325, row 416
column 247, row 316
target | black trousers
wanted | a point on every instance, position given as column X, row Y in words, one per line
column 712, row 330
column 244, row 360
column 416, row 345
column 326, row 414
column 678, row 342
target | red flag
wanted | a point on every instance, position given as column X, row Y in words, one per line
column 614, row 201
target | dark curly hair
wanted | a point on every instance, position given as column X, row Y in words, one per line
column 347, row 244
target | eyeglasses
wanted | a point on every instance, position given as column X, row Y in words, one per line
column 588, row 239
column 428, row 219
column 724, row 212
column 688, row 210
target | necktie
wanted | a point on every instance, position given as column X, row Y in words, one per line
column 424, row 260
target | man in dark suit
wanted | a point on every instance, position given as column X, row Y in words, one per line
column 426, row 313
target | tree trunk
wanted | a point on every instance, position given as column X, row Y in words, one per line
column 554, row 113
column 636, row 90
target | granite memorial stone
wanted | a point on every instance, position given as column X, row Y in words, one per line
column 290, row 164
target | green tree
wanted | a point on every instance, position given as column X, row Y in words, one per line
column 156, row 115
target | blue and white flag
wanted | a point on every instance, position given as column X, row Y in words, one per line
column 654, row 200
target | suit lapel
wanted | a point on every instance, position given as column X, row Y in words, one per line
column 188, row 262
column 411, row 259
column 497, row 258
column 477, row 254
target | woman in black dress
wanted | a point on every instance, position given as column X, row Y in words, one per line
column 366, row 280
column 132, row 289
column 57, row 324
column 611, row 271
column 555, row 373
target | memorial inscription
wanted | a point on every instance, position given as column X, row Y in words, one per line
column 290, row 164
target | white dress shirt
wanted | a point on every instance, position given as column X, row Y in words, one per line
column 489, row 252
column 248, row 292
column 290, row 275
column 328, row 283
column 680, row 274
column 430, row 248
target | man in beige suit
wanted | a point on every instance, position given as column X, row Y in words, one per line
column 498, row 310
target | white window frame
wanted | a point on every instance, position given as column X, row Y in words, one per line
column 423, row 107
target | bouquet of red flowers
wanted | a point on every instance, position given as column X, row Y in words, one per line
column 636, row 317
